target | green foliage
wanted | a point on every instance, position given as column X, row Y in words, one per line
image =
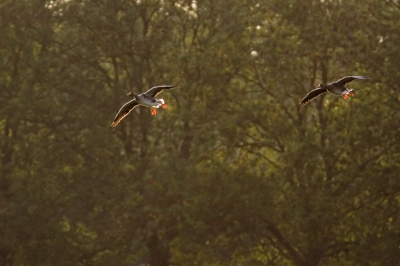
column 234, row 172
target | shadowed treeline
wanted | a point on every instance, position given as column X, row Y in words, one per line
column 235, row 171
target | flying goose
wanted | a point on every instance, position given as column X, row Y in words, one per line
column 337, row 88
column 145, row 99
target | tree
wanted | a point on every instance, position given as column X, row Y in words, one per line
column 234, row 172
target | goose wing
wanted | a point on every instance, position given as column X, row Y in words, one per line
column 343, row 81
column 312, row 94
column 124, row 111
column 153, row 92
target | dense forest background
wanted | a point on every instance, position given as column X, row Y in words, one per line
column 234, row 172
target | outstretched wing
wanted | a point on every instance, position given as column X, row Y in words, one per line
column 153, row 92
column 345, row 80
column 312, row 94
column 124, row 111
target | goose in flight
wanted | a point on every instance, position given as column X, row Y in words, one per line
column 337, row 88
column 145, row 99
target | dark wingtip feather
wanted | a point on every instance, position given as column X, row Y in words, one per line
column 302, row 103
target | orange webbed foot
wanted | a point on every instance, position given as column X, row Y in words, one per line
column 164, row 106
column 153, row 111
column 345, row 96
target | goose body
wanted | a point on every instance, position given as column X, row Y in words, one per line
column 336, row 88
column 146, row 99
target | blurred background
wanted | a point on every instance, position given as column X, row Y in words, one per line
column 234, row 172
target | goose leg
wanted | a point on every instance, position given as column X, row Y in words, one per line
column 153, row 111
column 164, row 106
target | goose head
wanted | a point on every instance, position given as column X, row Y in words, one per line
column 132, row 94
